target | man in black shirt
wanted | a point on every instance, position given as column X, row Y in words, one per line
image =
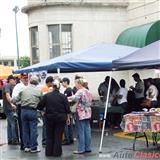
column 10, row 110
column 103, row 89
column 68, row 132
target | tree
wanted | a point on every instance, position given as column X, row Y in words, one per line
column 24, row 61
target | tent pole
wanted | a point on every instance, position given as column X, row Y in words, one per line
column 105, row 113
column 58, row 71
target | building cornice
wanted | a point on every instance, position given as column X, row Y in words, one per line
column 32, row 7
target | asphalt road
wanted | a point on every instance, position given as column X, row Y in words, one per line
column 114, row 148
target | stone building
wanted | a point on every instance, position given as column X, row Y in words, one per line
column 58, row 27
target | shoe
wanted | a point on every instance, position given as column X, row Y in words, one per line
column 65, row 142
column 44, row 145
column 9, row 142
column 88, row 151
column 71, row 141
column 78, row 152
column 35, row 150
column 15, row 142
column 22, row 148
column 27, row 149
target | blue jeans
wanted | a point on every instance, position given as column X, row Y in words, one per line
column 11, row 126
column 29, row 128
column 68, row 133
column 83, row 130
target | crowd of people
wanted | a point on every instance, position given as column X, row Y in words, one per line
column 65, row 110
column 23, row 102
column 146, row 89
column 145, row 94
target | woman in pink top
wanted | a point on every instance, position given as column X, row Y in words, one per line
column 83, row 115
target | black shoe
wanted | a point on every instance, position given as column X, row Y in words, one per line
column 65, row 143
column 88, row 151
column 9, row 142
column 44, row 145
column 22, row 148
column 72, row 142
column 15, row 142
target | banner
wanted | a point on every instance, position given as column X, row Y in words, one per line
column 42, row 75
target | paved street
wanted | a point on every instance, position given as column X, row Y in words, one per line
column 113, row 148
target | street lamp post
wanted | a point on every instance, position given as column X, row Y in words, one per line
column 15, row 10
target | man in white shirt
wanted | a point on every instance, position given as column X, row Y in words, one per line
column 17, row 89
column 152, row 93
column 122, row 94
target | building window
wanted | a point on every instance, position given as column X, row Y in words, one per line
column 5, row 63
column 34, row 44
column 60, row 39
column 12, row 63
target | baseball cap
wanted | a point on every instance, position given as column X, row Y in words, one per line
column 24, row 75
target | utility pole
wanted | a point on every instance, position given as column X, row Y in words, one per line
column 15, row 10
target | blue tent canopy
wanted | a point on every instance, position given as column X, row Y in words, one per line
column 98, row 57
column 146, row 57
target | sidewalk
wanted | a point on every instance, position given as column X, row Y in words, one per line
column 114, row 148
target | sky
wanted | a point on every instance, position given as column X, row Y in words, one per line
column 8, row 32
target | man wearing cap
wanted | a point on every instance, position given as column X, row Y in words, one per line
column 17, row 89
column 29, row 98
column 9, row 109
column 138, row 91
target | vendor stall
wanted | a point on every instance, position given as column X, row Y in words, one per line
column 142, row 122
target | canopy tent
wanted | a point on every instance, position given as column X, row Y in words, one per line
column 5, row 71
column 146, row 57
column 98, row 57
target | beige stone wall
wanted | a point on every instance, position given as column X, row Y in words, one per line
column 142, row 12
column 90, row 25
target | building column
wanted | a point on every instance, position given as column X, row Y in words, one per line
column 43, row 42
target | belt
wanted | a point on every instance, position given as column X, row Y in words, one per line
column 29, row 108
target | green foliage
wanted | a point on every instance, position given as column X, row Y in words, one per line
column 24, row 61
